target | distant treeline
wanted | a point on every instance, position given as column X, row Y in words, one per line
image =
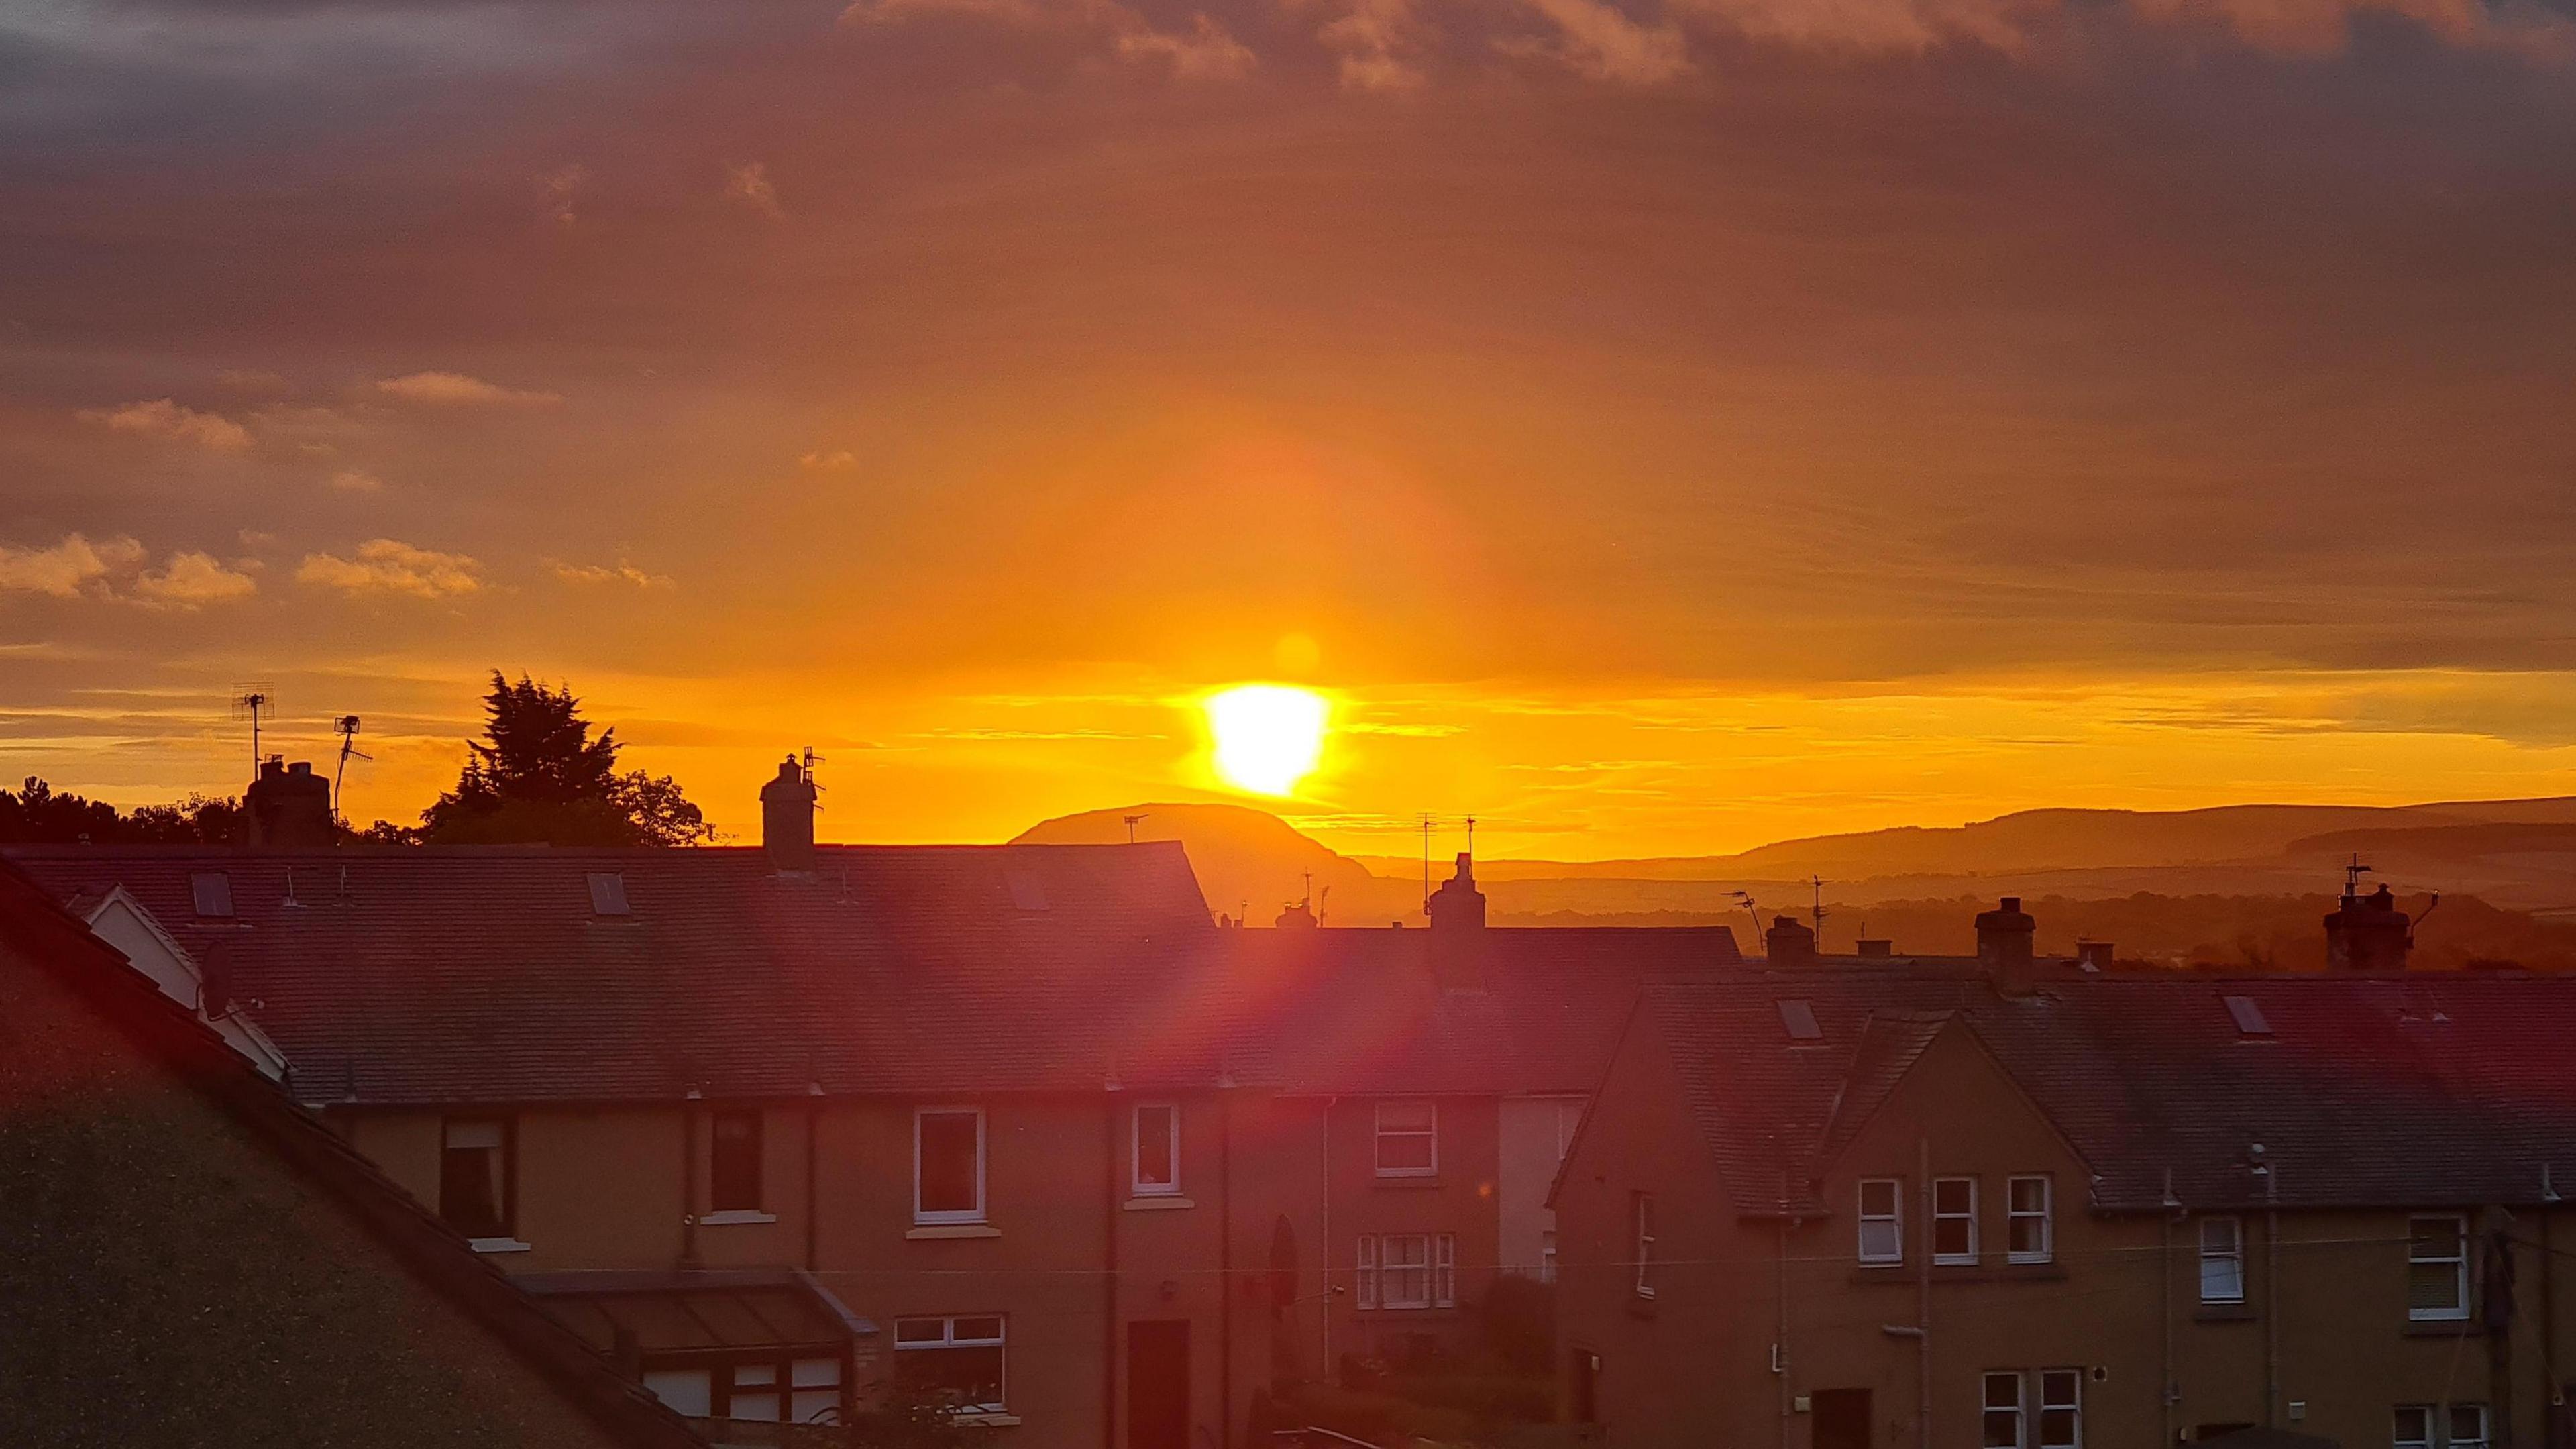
column 34, row 814
column 2206, row 932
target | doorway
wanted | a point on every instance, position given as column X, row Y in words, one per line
column 1158, row 1384
column 1839, row 1419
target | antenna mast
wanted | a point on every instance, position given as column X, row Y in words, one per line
column 1132, row 822
column 1426, row 862
column 346, row 726
column 250, row 701
column 1817, row 884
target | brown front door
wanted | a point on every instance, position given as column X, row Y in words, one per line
column 1841, row 1418
column 1158, row 1384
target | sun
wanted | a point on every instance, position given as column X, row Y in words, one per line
column 1267, row 736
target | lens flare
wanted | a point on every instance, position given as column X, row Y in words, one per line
column 1267, row 736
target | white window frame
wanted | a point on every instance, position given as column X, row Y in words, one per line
column 2045, row 1216
column 2484, row 1438
column 1444, row 1270
column 948, row 1339
column 1894, row 1218
column 2459, row 1270
column 2072, row 1404
column 2233, row 1255
column 1547, row 1255
column 1364, row 1269
column 2019, row 1408
column 1389, row 1270
column 1136, row 1183
column 2397, row 1430
column 1641, row 1211
column 1939, row 1217
column 1383, row 1132
column 934, row 1217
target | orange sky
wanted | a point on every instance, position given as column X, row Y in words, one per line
column 1662, row 428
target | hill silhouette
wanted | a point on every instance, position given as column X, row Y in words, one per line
column 1247, row 860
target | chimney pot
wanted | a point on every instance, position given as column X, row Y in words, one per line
column 2004, row 947
column 288, row 807
column 787, row 818
column 1457, row 913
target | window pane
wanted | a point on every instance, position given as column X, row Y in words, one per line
column 2003, row 1431
column 2025, row 1237
column 967, row 1378
column 2029, row 1194
column 1879, row 1241
column 2218, row 1235
column 734, row 1184
column 816, row 1373
column 2057, row 1429
column 2433, row 1238
column 2433, row 1287
column 815, row 1406
column 1405, row 1116
column 978, row 1328
column 2003, row 1391
column 948, row 1146
column 920, row 1330
column 2468, row 1426
column 1154, row 1146
column 2414, row 1428
column 759, row 1408
column 1950, row 1238
column 754, row 1375
column 470, row 1191
column 688, row 1392
column 1404, row 1151
column 1953, row 1195
column 1878, row 1198
column 2222, row 1280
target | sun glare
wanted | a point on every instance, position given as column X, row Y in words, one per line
column 1267, row 736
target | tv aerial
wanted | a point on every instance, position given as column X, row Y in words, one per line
column 1132, row 822
column 252, row 701
column 346, row 727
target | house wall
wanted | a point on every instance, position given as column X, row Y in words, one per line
column 603, row 1188
column 1695, row 1365
column 1460, row 1200
column 1534, row 1132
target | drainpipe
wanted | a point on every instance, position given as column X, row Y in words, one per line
column 1225, row 1267
column 689, row 1180
column 1324, row 1370
column 1109, row 1211
column 1923, row 1298
column 813, row 1193
column 2167, row 1391
column 2271, row 1290
column 1780, row 1296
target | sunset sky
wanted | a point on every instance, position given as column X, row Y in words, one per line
column 1656, row 427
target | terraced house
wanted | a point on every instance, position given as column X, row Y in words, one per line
column 2006, row 1204
column 1017, row 1127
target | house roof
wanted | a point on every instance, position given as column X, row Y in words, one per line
column 207, row 1256
column 2425, row 1089
column 509, row 974
column 1334, row 1010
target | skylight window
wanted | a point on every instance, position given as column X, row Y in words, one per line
column 1027, row 891
column 213, row 891
column 2249, row 1017
column 608, row 894
column 1799, row 1019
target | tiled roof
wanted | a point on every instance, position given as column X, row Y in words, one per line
column 2426, row 1089
column 487, row 974
column 1361, row 1012
column 176, row 1249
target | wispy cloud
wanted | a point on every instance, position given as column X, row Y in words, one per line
column 1206, row 52
column 164, row 418
column 64, row 569
column 1599, row 42
column 389, row 566
column 558, row 190
column 194, row 579
column 1378, row 44
column 353, row 480
column 455, row 389
column 623, row 573
column 749, row 185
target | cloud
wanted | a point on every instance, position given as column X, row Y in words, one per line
column 1377, row 43
column 1599, row 42
column 352, row 480
column 65, row 568
column 388, row 566
column 624, row 573
column 836, row 461
column 750, row 185
column 2324, row 27
column 163, row 418
column 455, row 389
column 558, row 188
column 1208, row 52
column 193, row 579
column 253, row 379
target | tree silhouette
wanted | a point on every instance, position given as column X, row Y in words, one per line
column 36, row 814
column 538, row 776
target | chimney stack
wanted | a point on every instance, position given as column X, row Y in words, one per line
column 2004, row 946
column 1789, row 942
column 787, row 818
column 1457, row 930
column 289, row 807
column 2367, row 933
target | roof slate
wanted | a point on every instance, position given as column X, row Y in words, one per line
column 2426, row 1090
